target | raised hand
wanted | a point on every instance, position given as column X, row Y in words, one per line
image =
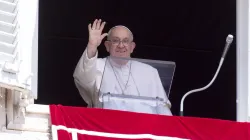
column 95, row 36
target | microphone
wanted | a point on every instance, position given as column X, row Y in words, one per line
column 229, row 41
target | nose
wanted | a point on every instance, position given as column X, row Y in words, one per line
column 120, row 45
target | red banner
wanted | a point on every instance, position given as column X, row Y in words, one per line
column 78, row 123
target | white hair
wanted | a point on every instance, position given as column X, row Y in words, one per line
column 109, row 33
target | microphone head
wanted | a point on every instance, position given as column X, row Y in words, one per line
column 229, row 39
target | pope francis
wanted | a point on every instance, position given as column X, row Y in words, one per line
column 134, row 86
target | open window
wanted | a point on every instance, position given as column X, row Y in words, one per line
column 19, row 67
column 19, row 44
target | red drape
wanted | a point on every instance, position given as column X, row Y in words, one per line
column 120, row 122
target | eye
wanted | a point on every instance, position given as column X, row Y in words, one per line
column 116, row 40
column 126, row 41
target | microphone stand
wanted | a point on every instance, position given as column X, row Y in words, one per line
column 229, row 40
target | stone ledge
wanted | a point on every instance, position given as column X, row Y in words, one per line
column 23, row 135
column 37, row 119
column 38, row 109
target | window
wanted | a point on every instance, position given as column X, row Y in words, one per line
column 19, row 67
column 19, row 44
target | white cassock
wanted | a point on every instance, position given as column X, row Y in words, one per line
column 137, row 83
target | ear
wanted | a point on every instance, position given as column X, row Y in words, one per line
column 106, row 43
column 132, row 47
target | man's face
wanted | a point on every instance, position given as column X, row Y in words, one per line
column 120, row 43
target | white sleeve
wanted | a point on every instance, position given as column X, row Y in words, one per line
column 84, row 76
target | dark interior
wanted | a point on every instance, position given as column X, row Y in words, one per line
column 190, row 33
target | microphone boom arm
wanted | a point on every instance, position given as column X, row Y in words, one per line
column 228, row 42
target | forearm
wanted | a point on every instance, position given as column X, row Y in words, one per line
column 85, row 71
column 91, row 51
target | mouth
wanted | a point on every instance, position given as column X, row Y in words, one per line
column 120, row 51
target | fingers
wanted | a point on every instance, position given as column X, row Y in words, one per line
column 97, row 25
column 103, row 35
column 89, row 27
column 102, row 26
column 94, row 25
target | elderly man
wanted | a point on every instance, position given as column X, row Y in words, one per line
column 95, row 76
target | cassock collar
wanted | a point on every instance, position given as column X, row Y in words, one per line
column 119, row 62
